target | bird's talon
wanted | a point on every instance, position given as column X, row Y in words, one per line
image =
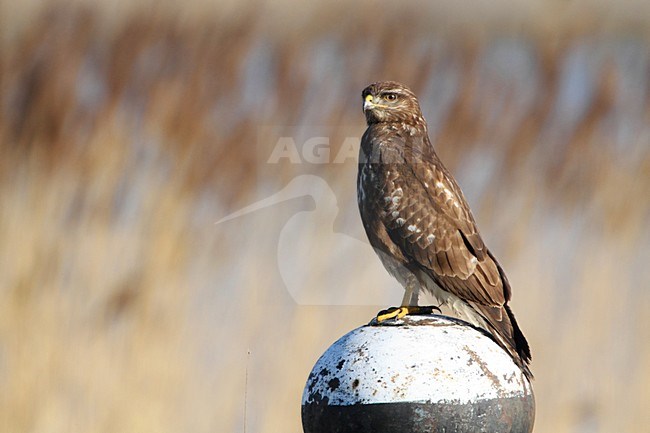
column 429, row 309
column 392, row 313
column 400, row 312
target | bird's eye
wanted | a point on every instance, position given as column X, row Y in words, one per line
column 390, row 96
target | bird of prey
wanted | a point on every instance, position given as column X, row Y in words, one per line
column 418, row 222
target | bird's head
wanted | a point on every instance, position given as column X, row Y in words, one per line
column 391, row 102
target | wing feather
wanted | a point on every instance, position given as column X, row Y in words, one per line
column 431, row 222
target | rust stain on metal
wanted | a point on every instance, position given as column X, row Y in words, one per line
column 484, row 368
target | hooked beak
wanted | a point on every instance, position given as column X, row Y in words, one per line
column 368, row 103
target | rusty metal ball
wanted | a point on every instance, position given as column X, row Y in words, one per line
column 420, row 374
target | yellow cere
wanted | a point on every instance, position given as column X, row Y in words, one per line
column 368, row 98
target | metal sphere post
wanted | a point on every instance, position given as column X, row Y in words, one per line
column 420, row 374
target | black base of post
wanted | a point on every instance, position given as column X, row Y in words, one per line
column 494, row 416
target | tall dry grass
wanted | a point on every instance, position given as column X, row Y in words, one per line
column 124, row 308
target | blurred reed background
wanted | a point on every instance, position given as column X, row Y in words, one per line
column 127, row 130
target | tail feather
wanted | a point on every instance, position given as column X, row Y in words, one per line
column 506, row 332
column 508, row 328
column 521, row 344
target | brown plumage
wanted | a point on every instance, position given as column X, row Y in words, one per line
column 418, row 222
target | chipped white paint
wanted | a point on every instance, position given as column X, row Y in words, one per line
column 411, row 228
column 400, row 221
column 421, row 359
column 431, row 238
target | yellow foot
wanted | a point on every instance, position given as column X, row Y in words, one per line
column 392, row 313
column 399, row 312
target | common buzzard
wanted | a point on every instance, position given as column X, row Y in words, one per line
column 420, row 225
